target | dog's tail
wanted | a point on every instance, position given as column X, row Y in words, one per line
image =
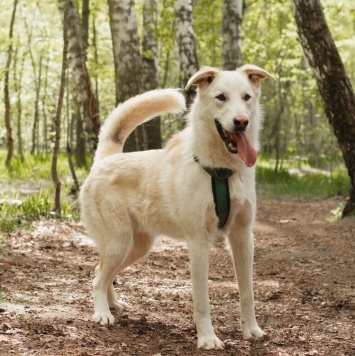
column 133, row 112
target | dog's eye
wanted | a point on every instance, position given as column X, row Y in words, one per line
column 221, row 97
column 246, row 97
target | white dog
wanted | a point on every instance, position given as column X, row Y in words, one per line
column 201, row 185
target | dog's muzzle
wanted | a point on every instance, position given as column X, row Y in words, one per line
column 237, row 142
column 227, row 137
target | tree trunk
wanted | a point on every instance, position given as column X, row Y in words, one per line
column 232, row 34
column 9, row 138
column 38, row 80
column 96, row 59
column 44, row 109
column 70, row 130
column 128, row 63
column 86, row 99
column 186, row 45
column 57, row 121
column 333, row 83
column 75, row 189
column 85, row 15
column 151, row 130
column 80, row 145
column 18, row 89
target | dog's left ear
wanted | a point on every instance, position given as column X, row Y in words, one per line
column 255, row 73
column 203, row 77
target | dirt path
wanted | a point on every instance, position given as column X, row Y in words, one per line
column 304, row 286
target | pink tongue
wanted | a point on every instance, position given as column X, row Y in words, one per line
column 245, row 150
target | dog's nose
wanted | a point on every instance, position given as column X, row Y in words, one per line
column 241, row 123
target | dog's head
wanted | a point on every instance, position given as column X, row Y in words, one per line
column 230, row 99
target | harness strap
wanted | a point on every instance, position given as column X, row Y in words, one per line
column 220, row 190
column 221, row 199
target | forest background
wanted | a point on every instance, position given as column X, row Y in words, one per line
column 297, row 142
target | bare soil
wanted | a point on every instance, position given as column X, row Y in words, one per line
column 304, row 289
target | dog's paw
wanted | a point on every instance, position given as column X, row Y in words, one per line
column 210, row 343
column 119, row 305
column 104, row 318
column 252, row 332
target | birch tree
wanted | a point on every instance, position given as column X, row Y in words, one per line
column 85, row 96
column 127, row 58
column 9, row 138
column 151, row 129
column 333, row 83
column 128, row 64
column 186, row 45
column 232, row 34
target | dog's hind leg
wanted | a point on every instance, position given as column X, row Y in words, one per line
column 142, row 244
column 242, row 245
column 113, row 255
column 199, row 255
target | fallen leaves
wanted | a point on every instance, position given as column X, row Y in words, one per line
column 304, row 291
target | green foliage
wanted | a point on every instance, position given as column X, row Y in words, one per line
column 28, row 191
column 208, row 26
column 34, row 207
column 300, row 184
column 168, row 64
column 294, row 116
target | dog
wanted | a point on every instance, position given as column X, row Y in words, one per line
column 129, row 198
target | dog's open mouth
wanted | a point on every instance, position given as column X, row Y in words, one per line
column 237, row 142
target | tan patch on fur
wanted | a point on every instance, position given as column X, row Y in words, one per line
column 129, row 180
column 174, row 142
column 141, row 246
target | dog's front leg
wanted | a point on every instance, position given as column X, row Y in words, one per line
column 242, row 244
column 199, row 255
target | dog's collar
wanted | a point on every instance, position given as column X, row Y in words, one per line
column 220, row 190
column 217, row 173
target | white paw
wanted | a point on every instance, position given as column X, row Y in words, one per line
column 119, row 305
column 210, row 343
column 104, row 318
column 252, row 332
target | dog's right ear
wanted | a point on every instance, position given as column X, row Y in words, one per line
column 203, row 77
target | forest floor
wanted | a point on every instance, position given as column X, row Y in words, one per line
column 304, row 289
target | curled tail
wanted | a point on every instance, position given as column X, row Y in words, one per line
column 133, row 112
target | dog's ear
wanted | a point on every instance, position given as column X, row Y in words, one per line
column 203, row 77
column 255, row 73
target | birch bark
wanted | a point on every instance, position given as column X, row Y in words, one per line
column 186, row 45
column 232, row 34
column 128, row 62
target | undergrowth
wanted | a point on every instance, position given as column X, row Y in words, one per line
column 301, row 184
column 27, row 191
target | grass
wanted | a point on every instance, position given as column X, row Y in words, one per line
column 31, row 208
column 2, row 297
column 305, row 186
column 27, row 191
column 22, row 300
